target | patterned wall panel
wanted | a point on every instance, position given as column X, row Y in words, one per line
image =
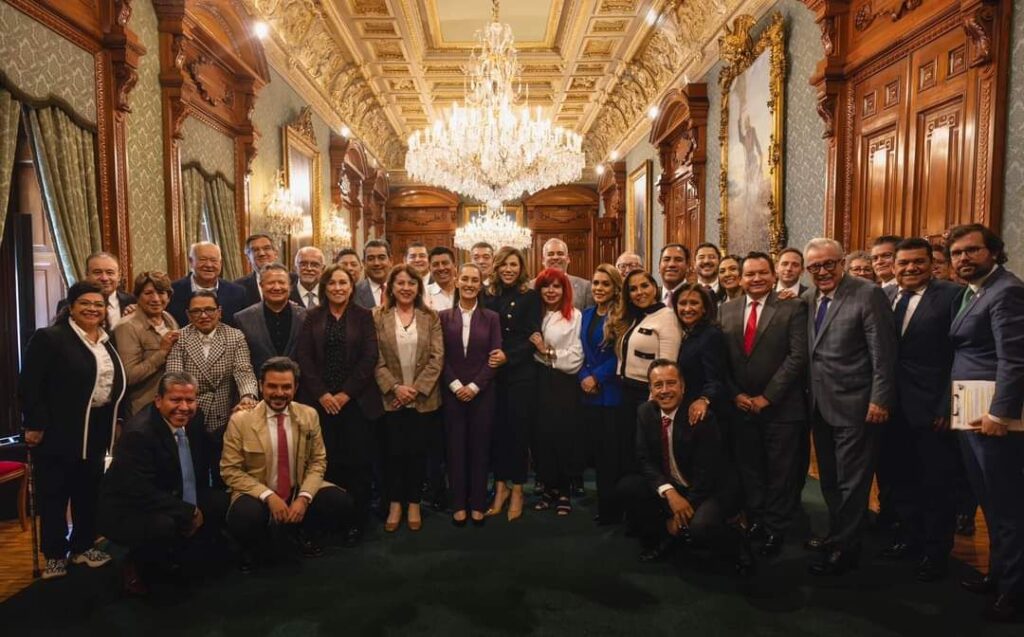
column 43, row 64
column 145, row 151
column 276, row 105
column 1013, row 211
column 213, row 150
column 804, row 158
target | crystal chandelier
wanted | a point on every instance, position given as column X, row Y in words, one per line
column 336, row 233
column 495, row 227
column 281, row 215
column 492, row 147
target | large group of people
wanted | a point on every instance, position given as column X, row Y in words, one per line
column 291, row 403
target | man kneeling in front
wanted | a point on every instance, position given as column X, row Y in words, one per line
column 273, row 463
column 686, row 487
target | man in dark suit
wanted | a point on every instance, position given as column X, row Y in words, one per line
column 271, row 328
column 686, row 486
column 152, row 498
column 988, row 344
column 917, row 457
column 103, row 269
column 790, row 267
column 852, row 348
column 260, row 251
column 309, row 266
column 767, row 343
column 377, row 261
column 705, row 263
column 205, row 258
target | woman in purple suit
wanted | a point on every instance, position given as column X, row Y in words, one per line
column 471, row 332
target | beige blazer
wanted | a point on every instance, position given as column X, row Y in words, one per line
column 429, row 359
column 247, row 451
column 138, row 345
column 657, row 336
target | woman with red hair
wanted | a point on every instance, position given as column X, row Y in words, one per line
column 560, row 356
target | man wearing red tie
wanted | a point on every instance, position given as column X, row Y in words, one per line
column 283, row 486
column 686, row 485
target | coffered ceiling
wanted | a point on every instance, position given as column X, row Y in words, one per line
column 389, row 67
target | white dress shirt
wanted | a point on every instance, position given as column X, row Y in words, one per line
column 405, row 339
column 915, row 300
column 206, row 340
column 271, row 461
column 467, row 320
column 438, row 299
column 563, row 336
column 795, row 288
column 666, row 294
column 310, row 298
column 196, row 287
column 113, row 311
column 747, row 307
column 104, row 386
column 375, row 290
column 676, row 474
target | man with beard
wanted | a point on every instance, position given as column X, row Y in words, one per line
column 705, row 262
column 309, row 265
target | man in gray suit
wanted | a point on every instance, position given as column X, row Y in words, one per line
column 377, row 261
column 272, row 327
column 556, row 255
column 767, row 342
column 852, row 345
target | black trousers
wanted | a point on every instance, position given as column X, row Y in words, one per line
column 767, row 461
column 846, row 464
column 613, row 438
column 513, row 425
column 436, row 456
column 351, row 444
column 558, row 440
column 215, row 442
column 58, row 481
column 249, row 521
column 406, row 433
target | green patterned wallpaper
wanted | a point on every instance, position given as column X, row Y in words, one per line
column 1013, row 212
column 145, row 151
column 213, row 150
column 42, row 64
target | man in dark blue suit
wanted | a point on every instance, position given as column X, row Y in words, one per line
column 260, row 251
column 988, row 341
column 918, row 452
column 205, row 258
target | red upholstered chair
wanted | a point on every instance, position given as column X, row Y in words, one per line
column 9, row 472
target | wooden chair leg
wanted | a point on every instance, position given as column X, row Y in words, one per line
column 22, row 503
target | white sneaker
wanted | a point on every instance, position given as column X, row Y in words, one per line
column 55, row 568
column 93, row 557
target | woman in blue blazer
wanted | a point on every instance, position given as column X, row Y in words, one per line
column 612, row 429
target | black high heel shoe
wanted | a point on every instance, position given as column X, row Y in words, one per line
column 456, row 522
column 478, row 522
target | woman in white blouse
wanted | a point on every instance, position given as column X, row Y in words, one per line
column 408, row 369
column 559, row 356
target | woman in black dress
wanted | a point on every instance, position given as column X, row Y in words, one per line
column 701, row 354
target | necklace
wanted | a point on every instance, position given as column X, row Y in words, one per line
column 401, row 321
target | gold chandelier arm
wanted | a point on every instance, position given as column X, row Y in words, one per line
column 494, row 10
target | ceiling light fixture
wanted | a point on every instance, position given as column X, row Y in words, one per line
column 261, row 29
column 652, row 112
column 337, row 236
column 493, row 226
column 346, row 132
column 613, row 155
column 599, row 169
column 281, row 215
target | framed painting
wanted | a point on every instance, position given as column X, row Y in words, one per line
column 639, row 211
column 751, row 137
column 303, row 176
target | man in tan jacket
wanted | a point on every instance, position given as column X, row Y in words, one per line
column 274, row 462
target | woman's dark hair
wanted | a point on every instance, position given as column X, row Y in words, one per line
column 710, row 307
column 389, row 287
column 625, row 313
column 74, row 292
column 327, row 276
column 458, row 297
column 161, row 283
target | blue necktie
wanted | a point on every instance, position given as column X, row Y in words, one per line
column 901, row 309
column 188, row 474
column 819, row 318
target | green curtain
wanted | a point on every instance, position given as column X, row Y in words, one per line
column 220, row 205
column 65, row 156
column 192, row 194
column 10, row 114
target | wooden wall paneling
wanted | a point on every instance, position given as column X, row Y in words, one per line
column 101, row 27
column 567, row 213
column 608, row 229
column 680, row 135
column 420, row 213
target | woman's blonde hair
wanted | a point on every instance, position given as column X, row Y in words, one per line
column 522, row 283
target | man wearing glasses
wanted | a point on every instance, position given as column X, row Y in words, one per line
column 309, row 265
column 218, row 357
column 205, row 259
column 260, row 251
column 883, row 259
column 852, row 347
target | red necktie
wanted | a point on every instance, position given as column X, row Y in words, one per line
column 284, row 473
column 751, row 330
column 666, row 446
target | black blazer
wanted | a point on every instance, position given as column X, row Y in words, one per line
column 520, row 316
column 361, row 351
column 55, row 389
column 702, row 362
column 698, row 452
column 926, row 355
column 145, row 476
column 230, row 296
column 252, row 289
column 253, row 325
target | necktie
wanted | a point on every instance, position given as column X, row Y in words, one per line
column 380, row 301
column 900, row 310
column 751, row 329
column 968, row 295
column 284, row 473
column 188, row 474
column 666, row 446
column 310, row 300
column 819, row 318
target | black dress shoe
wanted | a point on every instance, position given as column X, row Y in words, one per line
column 817, row 543
column 979, row 586
column 659, row 551
column 895, row 551
column 457, row 523
column 1004, row 608
column 353, row 537
column 772, row 545
column 836, row 562
column 311, row 549
column 965, row 525
column 930, row 569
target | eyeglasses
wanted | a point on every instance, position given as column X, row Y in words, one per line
column 969, row 251
column 202, row 311
column 829, row 265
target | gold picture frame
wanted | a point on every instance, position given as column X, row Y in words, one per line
column 303, row 168
column 639, row 212
column 751, row 182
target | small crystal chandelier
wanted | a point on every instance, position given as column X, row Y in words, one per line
column 281, row 215
column 336, row 233
column 495, row 227
column 492, row 148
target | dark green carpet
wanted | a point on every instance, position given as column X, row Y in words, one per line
column 539, row 576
